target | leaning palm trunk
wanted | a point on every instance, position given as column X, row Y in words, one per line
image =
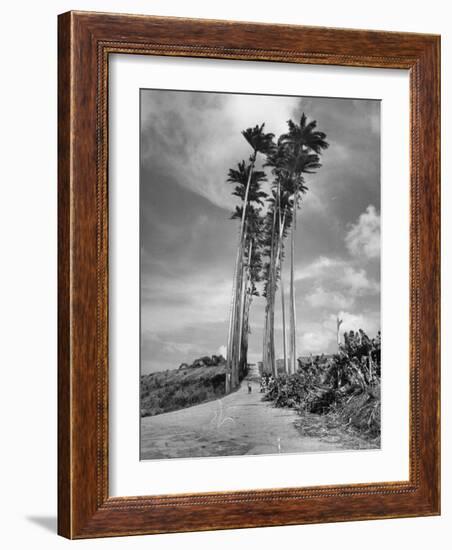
column 245, row 332
column 232, row 315
column 239, row 315
column 229, row 373
column 238, row 327
column 234, row 342
column 231, row 366
column 241, row 359
column 241, row 307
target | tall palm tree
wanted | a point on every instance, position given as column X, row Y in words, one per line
column 260, row 142
column 303, row 145
column 278, row 221
column 269, row 358
column 277, row 160
column 247, row 184
column 284, row 224
column 251, row 276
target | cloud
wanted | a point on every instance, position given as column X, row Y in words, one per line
column 222, row 351
column 316, row 342
column 358, row 282
column 171, row 303
column 363, row 237
column 368, row 321
column 317, row 268
column 334, row 300
column 320, row 336
column 337, row 283
column 196, row 137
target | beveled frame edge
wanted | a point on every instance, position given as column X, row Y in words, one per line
column 85, row 41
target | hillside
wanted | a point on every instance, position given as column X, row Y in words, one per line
column 188, row 385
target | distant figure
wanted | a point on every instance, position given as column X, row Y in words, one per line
column 249, row 388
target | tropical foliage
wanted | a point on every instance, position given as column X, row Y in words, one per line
column 345, row 385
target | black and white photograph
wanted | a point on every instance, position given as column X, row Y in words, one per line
column 260, row 274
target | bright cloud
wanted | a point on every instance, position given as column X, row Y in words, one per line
column 358, row 282
column 335, row 300
column 197, row 137
column 318, row 341
column 337, row 283
column 221, row 351
column 363, row 238
column 319, row 267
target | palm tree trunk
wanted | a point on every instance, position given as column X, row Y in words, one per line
column 293, row 320
column 232, row 354
column 283, row 308
column 229, row 345
column 270, row 300
column 240, row 299
column 247, row 323
column 243, row 299
column 264, row 342
column 232, row 315
column 237, row 351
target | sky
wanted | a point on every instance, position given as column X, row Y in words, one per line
column 189, row 140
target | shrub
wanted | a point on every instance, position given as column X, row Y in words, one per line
column 346, row 385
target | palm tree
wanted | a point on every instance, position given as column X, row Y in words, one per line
column 284, row 223
column 296, row 153
column 248, row 184
column 277, row 160
column 248, row 189
column 251, row 276
column 295, row 184
column 302, row 145
column 278, row 221
column 269, row 244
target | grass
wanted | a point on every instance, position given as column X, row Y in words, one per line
column 331, row 428
column 172, row 390
column 353, row 422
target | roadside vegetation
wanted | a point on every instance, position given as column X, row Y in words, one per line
column 343, row 390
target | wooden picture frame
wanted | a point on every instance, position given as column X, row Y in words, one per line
column 85, row 42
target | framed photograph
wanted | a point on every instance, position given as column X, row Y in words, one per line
column 249, row 263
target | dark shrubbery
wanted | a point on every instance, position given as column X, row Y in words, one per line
column 362, row 411
column 345, row 385
column 206, row 361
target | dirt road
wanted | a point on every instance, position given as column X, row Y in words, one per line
column 238, row 424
